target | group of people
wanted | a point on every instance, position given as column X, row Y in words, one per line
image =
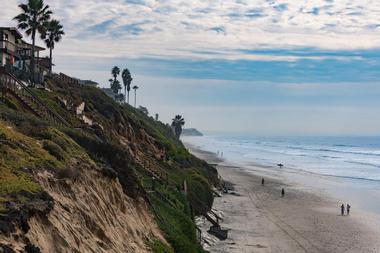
column 342, row 209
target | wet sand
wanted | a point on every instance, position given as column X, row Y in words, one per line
column 260, row 220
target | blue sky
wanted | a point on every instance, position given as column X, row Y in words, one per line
column 266, row 67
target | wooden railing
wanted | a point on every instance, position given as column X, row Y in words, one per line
column 10, row 84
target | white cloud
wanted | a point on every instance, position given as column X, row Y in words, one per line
column 163, row 28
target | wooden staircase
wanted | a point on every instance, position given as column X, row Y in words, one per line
column 10, row 84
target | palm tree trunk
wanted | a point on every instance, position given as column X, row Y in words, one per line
column 125, row 93
column 135, row 98
column 128, row 97
column 51, row 60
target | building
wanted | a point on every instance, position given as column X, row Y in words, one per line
column 117, row 97
column 16, row 54
column 9, row 45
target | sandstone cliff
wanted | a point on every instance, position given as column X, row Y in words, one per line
column 86, row 187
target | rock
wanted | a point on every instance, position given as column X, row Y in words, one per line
column 29, row 248
column 6, row 249
column 218, row 232
column 80, row 108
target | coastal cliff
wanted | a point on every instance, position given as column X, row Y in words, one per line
column 110, row 180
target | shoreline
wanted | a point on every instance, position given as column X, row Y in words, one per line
column 305, row 220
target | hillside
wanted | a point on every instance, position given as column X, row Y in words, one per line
column 87, row 186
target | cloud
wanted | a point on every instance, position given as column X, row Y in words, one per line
column 219, row 29
column 165, row 28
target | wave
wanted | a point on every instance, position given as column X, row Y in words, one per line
column 332, row 157
column 367, row 153
column 344, row 145
column 364, row 163
column 348, row 177
column 299, row 170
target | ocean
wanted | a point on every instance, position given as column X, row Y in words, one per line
column 345, row 157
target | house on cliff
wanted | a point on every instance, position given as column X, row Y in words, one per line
column 16, row 54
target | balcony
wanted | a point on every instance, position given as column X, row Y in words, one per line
column 8, row 46
column 17, row 50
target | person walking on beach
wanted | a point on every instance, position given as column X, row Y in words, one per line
column 262, row 181
column 282, row 192
column 348, row 209
column 342, row 209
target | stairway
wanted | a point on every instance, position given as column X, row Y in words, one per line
column 10, row 84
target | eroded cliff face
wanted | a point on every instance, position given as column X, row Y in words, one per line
column 91, row 213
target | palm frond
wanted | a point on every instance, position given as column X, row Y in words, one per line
column 24, row 8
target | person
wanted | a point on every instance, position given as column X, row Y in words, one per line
column 348, row 209
column 282, row 192
column 342, row 209
column 262, row 181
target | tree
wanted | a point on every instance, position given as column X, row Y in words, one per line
column 177, row 124
column 115, row 86
column 127, row 80
column 144, row 110
column 34, row 16
column 115, row 72
column 135, row 89
column 53, row 34
column 156, row 117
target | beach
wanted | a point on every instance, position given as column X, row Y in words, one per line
column 306, row 219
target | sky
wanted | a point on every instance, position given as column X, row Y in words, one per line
column 265, row 67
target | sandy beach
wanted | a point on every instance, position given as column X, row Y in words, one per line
column 260, row 220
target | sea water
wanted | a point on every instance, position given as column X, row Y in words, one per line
column 348, row 157
column 345, row 168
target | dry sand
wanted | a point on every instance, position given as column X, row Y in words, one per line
column 260, row 220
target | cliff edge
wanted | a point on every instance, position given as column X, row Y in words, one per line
column 110, row 179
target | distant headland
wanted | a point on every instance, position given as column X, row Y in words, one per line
column 191, row 132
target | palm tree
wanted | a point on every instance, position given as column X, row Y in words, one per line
column 115, row 72
column 115, row 86
column 32, row 19
column 177, row 124
column 135, row 89
column 127, row 79
column 53, row 34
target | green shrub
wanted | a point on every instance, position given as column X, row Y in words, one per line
column 54, row 150
column 199, row 190
column 179, row 229
column 159, row 247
